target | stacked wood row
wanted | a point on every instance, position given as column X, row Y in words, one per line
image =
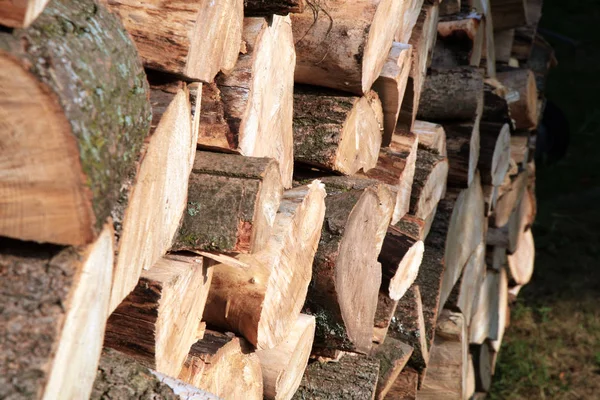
column 250, row 199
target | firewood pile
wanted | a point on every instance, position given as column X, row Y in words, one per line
column 264, row 199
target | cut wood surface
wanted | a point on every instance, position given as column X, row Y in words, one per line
column 494, row 152
column 155, row 203
column 446, row 374
column 231, row 203
column 194, row 40
column 462, row 145
column 405, row 386
column 508, row 13
column 429, row 182
column 85, row 157
column 460, row 40
column 489, row 312
column 396, row 168
column 344, row 45
column 346, row 275
column 451, row 94
column 266, row 8
column 482, row 364
column 120, row 376
column 411, row 10
column 20, row 14
column 386, row 308
column 499, row 319
column 431, row 136
column 352, row 377
column 509, row 200
column 510, row 235
column 159, row 320
column 337, row 131
column 283, row 366
column 520, row 263
column 523, row 109
column 393, row 355
column 249, row 110
column 519, row 146
column 224, row 365
column 391, row 85
column 55, row 305
column 261, row 298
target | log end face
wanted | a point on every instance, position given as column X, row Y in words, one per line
column 407, row 271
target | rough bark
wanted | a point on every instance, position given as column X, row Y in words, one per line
column 460, row 41
column 224, row 365
column 352, row 377
column 431, row 136
column 386, row 308
column 58, row 70
column 449, row 7
column 393, row 355
column 283, row 366
column 159, row 320
column 508, row 14
column 337, row 131
column 451, row 94
column 462, row 145
column 521, row 83
column 346, row 275
column 266, row 8
column 410, row 14
column 249, row 110
column 231, row 203
column 429, row 182
column 343, row 45
column 20, row 14
column 54, row 309
column 412, row 227
column 194, row 40
column 405, row 386
column 494, row 152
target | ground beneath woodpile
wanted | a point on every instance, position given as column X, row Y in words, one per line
column 552, row 348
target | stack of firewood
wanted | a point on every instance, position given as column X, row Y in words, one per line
column 264, row 199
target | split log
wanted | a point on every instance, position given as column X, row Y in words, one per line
column 523, row 110
column 20, row 14
column 405, row 386
column 488, row 53
column 519, row 146
column 231, row 204
column 78, row 169
column 194, row 40
column 262, row 298
column 496, row 258
column 508, row 14
column 412, row 227
column 499, row 319
column 249, row 110
column 462, row 145
column 449, row 7
column 391, row 85
column 283, row 366
column 155, row 203
column 346, row 275
column 224, row 365
column 508, row 202
column 337, row 131
column 386, row 308
column 262, row 8
column 344, row 45
column 396, row 168
column 158, row 321
column 494, row 152
column 470, row 388
column 431, row 172
column 408, row 326
column 482, row 364
column 352, row 377
column 422, row 40
column 503, row 40
column 520, row 263
column 495, row 106
column 393, row 355
column 448, row 363
column 489, row 311
column 510, row 235
column 451, row 94
column 431, row 136
column 410, row 14
column 54, row 309
column 525, row 35
column 120, row 377
column 460, row 41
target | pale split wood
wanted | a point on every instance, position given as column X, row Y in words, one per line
column 262, row 300
column 431, row 136
column 509, row 200
column 520, row 263
column 20, row 14
column 523, row 94
column 343, row 44
column 194, row 40
column 184, row 390
column 489, row 312
column 249, row 110
column 283, row 366
column 462, row 144
column 157, row 200
column 510, row 235
column 410, row 14
column 159, row 320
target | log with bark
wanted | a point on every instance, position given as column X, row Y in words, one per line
column 396, row 168
column 412, row 227
column 261, row 297
column 249, row 110
column 283, row 366
column 231, row 204
column 508, row 14
column 503, row 40
column 393, row 355
column 462, row 146
column 494, row 152
column 386, row 308
column 525, row 35
column 519, row 147
column 405, row 386
column 460, row 41
column 410, row 14
column 429, row 183
column 344, row 45
column 488, row 53
column 431, row 136
column 20, row 14
column 159, row 320
column 54, row 309
column 346, row 275
column 523, row 96
column 266, row 8
column 52, row 71
column 391, row 85
column 352, row 377
column 194, row 40
column 509, row 200
column 337, row 131
column 451, row 94
column 154, row 204
column 449, row 7
column 224, row 365
column 121, row 377
column 446, row 374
